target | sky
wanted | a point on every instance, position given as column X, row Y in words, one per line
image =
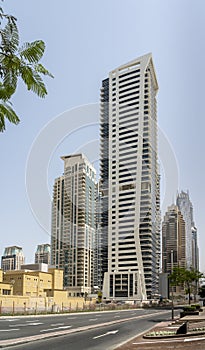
column 85, row 40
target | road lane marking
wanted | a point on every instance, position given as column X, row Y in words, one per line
column 93, row 319
column 57, row 328
column 105, row 334
column 9, row 330
column 57, row 324
column 25, row 324
column 12, row 320
column 116, row 316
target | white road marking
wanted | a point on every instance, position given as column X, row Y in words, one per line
column 9, row 330
column 57, row 328
column 25, row 324
column 116, row 316
column 12, row 320
column 108, row 333
column 92, row 319
column 32, row 321
column 71, row 318
column 57, row 324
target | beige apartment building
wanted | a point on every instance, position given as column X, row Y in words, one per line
column 73, row 224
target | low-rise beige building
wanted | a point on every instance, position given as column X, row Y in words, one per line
column 35, row 283
column 5, row 288
column 30, row 290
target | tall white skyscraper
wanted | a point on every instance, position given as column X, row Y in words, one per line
column 73, row 224
column 128, row 107
column 185, row 206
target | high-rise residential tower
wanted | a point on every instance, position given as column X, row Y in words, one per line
column 185, row 206
column 12, row 259
column 104, row 171
column 131, row 180
column 43, row 254
column 173, row 240
column 73, row 224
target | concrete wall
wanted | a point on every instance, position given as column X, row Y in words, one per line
column 15, row 304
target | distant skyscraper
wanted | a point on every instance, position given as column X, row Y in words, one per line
column 173, row 239
column 43, row 254
column 195, row 249
column 130, row 180
column 73, row 224
column 185, row 206
column 12, row 259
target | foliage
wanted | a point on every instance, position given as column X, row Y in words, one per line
column 18, row 62
column 99, row 300
column 185, row 277
column 202, row 291
column 160, row 333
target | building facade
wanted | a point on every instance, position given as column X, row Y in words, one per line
column 173, row 240
column 104, row 174
column 195, row 249
column 43, row 254
column 99, row 257
column 35, row 283
column 73, row 224
column 12, row 259
column 132, row 180
column 185, row 206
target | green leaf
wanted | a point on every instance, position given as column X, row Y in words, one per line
column 10, row 37
column 6, row 91
column 41, row 69
column 7, row 112
column 33, row 81
column 32, row 52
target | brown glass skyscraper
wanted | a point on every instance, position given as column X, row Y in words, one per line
column 173, row 239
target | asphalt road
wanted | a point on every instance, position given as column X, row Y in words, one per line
column 103, row 337
column 13, row 327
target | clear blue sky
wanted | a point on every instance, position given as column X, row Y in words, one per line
column 84, row 41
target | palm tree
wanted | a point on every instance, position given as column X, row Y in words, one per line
column 18, row 62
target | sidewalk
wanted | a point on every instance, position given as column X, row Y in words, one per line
column 185, row 342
